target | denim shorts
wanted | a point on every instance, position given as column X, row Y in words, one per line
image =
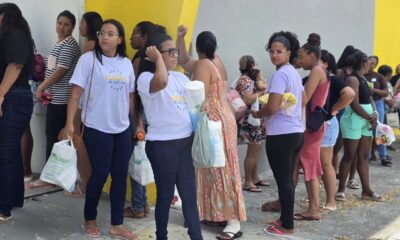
column 331, row 133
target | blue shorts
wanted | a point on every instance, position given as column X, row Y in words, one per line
column 331, row 133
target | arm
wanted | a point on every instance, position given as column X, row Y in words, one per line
column 355, row 105
column 184, row 59
column 261, row 83
column 272, row 106
column 72, row 108
column 135, row 65
column 314, row 79
column 346, row 96
column 54, row 78
column 160, row 78
column 10, row 76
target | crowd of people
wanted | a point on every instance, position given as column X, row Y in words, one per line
column 107, row 98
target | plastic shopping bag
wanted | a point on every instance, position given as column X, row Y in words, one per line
column 208, row 145
column 61, row 168
column 384, row 134
column 194, row 97
column 255, row 106
column 139, row 166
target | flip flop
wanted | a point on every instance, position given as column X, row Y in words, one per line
column 126, row 236
column 275, row 223
column 229, row 235
column 253, row 189
column 39, row 184
column 77, row 193
column 374, row 197
column 268, row 207
column 326, row 209
column 273, row 230
column 301, row 217
column 89, row 233
column 353, row 184
column 340, row 196
column 262, row 183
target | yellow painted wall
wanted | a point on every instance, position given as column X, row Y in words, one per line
column 387, row 34
column 169, row 13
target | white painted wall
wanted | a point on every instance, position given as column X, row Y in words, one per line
column 41, row 16
column 243, row 27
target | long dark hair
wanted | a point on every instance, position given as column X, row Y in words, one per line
column 93, row 23
column 246, row 67
column 330, row 60
column 147, row 66
column 121, row 48
column 12, row 18
column 206, row 43
column 147, row 28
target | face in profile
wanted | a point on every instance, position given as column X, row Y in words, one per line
column 137, row 39
column 83, row 28
column 64, row 27
column 109, row 37
column 372, row 63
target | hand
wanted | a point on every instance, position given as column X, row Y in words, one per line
column 39, row 98
column 67, row 132
column 152, row 54
column 182, row 30
column 211, row 114
column 334, row 112
column 254, row 114
column 1, row 103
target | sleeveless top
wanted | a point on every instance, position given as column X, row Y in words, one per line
column 364, row 92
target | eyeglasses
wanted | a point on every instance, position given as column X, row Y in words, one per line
column 172, row 52
column 277, row 52
column 102, row 34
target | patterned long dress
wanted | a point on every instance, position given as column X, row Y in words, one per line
column 219, row 190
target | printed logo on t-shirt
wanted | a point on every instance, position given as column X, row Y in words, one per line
column 116, row 80
column 179, row 100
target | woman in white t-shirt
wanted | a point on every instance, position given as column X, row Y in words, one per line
column 169, row 135
column 106, row 77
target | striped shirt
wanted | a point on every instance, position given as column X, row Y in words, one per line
column 65, row 54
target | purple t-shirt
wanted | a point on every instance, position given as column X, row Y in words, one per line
column 286, row 80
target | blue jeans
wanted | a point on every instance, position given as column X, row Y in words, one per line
column 138, row 197
column 108, row 154
column 17, row 111
column 380, row 107
column 172, row 165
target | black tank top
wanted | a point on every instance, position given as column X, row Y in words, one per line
column 364, row 93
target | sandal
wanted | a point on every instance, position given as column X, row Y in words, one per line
column 374, row 197
column 77, row 193
column 301, row 216
column 262, row 183
column 326, row 209
column 340, row 196
column 269, row 207
column 276, row 223
column 353, row 184
column 39, row 184
column 91, row 231
column 229, row 235
column 124, row 234
column 253, row 189
column 274, row 230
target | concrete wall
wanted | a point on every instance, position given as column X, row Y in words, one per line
column 244, row 27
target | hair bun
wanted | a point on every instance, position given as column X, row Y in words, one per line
column 314, row 39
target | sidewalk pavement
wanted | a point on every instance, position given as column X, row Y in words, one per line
column 54, row 216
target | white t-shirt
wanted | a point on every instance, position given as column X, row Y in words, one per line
column 112, row 82
column 166, row 111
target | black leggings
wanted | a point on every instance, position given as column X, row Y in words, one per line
column 55, row 121
column 282, row 151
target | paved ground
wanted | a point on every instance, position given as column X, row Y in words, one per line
column 54, row 216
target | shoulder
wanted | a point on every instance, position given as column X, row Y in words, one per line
column 145, row 76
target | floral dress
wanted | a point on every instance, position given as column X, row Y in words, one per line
column 248, row 133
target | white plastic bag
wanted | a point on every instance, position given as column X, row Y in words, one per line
column 252, row 120
column 208, row 149
column 384, row 134
column 139, row 166
column 61, row 168
column 194, row 97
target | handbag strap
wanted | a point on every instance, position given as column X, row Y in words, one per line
column 90, row 87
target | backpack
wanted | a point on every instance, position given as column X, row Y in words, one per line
column 38, row 68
